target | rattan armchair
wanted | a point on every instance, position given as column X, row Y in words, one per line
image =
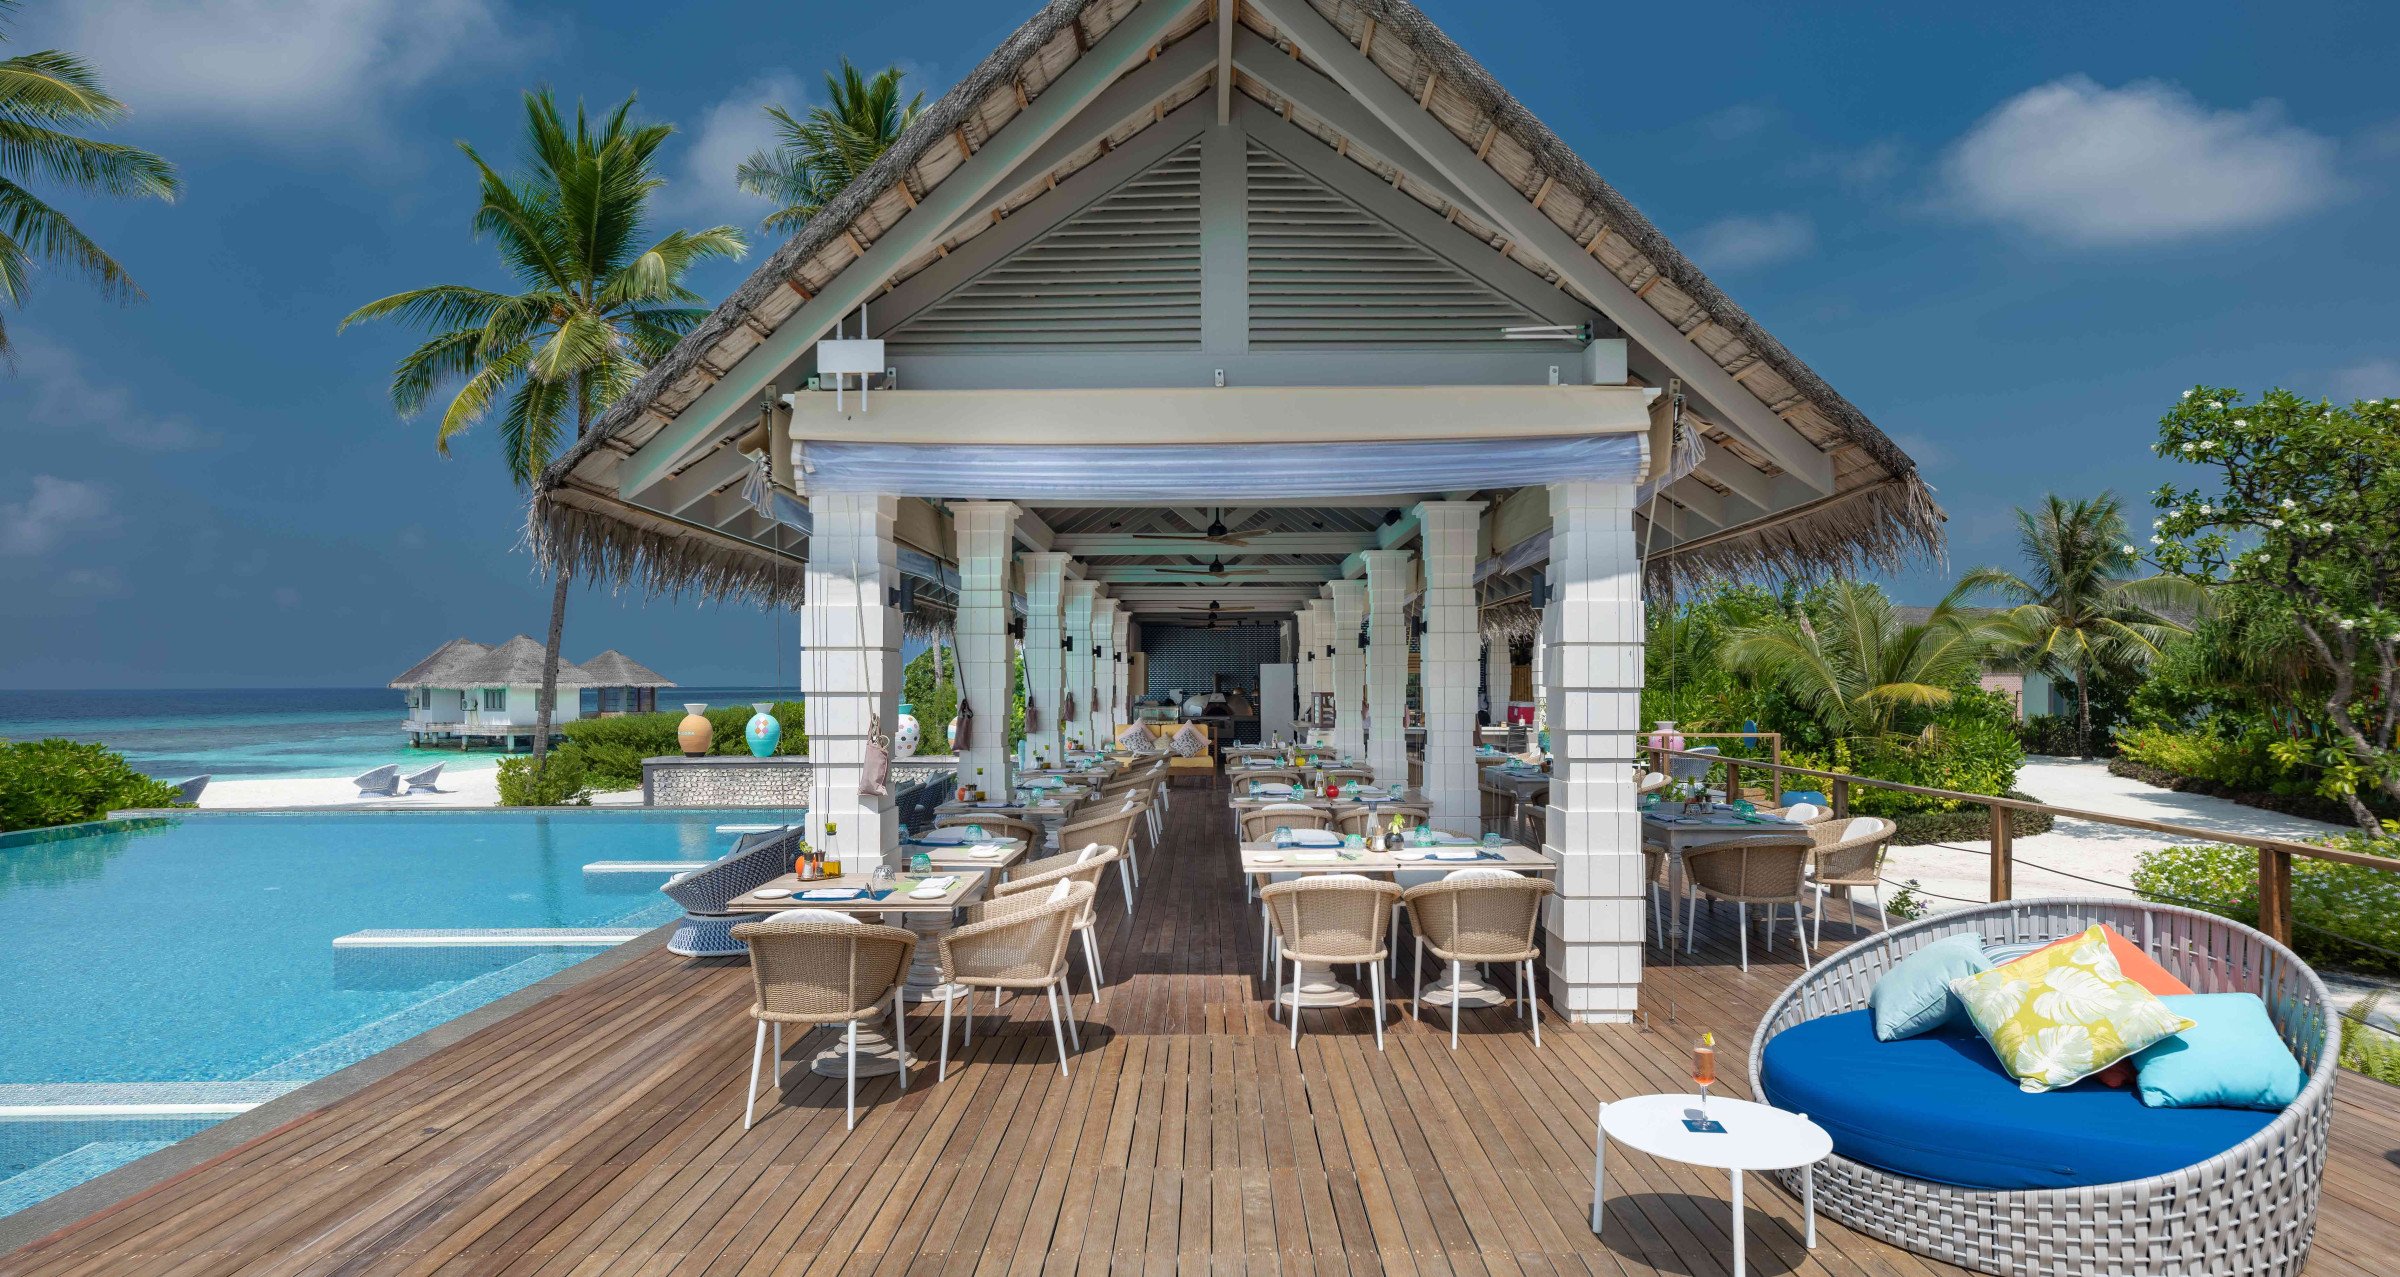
column 1478, row 916
column 1029, row 831
column 1109, row 826
column 1249, row 777
column 1018, row 943
column 815, row 966
column 1649, row 783
column 1084, row 864
column 1366, row 820
column 1849, row 855
column 1258, row 823
column 1336, row 775
column 1332, row 918
column 1765, row 869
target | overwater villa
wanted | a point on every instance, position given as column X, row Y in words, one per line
column 1270, row 347
column 467, row 693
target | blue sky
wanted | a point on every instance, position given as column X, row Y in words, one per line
column 2010, row 233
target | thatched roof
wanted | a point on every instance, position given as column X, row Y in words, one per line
column 1879, row 512
column 613, row 668
column 518, row 663
column 446, row 667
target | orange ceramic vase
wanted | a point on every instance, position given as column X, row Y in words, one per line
column 695, row 733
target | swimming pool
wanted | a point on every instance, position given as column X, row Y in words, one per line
column 164, row 974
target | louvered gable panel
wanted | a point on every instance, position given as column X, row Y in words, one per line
column 1325, row 272
column 1123, row 274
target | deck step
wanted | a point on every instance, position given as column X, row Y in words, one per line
column 644, row 866
column 490, row 938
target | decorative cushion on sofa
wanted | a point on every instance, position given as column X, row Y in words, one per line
column 1136, row 739
column 2231, row 1057
column 1939, row 1107
column 2061, row 1014
column 2135, row 962
column 1190, row 742
column 1914, row 996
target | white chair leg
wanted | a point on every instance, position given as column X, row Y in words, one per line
column 1066, row 1008
column 1456, row 1004
column 758, row 1046
column 1295, row 1004
column 1742, row 920
column 850, row 1079
column 900, row 1035
column 1691, row 923
column 1819, row 937
column 1770, row 928
column 1883, row 921
column 1375, row 976
column 1057, row 1030
column 941, row 1072
column 1533, row 1002
column 1091, row 963
column 1416, row 998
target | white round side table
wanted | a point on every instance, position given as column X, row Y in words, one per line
column 1756, row 1138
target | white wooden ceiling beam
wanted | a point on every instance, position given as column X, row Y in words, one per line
column 1181, row 573
column 1107, row 544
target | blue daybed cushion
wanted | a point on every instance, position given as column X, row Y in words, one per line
column 2231, row 1057
column 1938, row 1107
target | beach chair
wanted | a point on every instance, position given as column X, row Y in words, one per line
column 188, row 792
column 383, row 782
column 424, row 781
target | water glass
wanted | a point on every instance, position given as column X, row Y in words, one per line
column 1493, row 839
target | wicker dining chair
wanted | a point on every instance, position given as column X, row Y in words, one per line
column 1475, row 916
column 1650, row 783
column 1018, row 943
column 1249, row 777
column 1328, row 919
column 1259, row 822
column 1030, row 832
column 1656, row 886
column 1366, row 820
column 1085, row 864
column 1110, row 826
column 1803, row 813
column 1849, row 855
column 1336, row 775
column 816, row 966
column 1764, row 869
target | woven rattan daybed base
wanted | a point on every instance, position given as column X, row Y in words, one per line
column 2249, row 1210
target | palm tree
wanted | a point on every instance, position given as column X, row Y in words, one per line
column 1851, row 663
column 2081, row 615
column 820, row 154
column 43, row 96
column 600, row 302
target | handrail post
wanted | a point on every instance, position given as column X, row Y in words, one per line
column 2003, row 856
column 2275, row 893
column 1841, row 797
column 1733, row 781
column 1775, row 783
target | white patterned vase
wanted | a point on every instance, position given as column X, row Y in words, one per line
column 908, row 734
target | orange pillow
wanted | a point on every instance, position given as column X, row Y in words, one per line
column 2137, row 965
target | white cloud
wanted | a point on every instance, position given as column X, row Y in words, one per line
column 728, row 133
column 55, row 389
column 1741, row 242
column 284, row 67
column 54, row 510
column 2367, row 379
column 2088, row 165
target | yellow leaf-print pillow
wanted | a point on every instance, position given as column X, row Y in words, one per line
column 2059, row 1015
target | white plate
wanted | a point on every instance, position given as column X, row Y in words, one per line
column 1267, row 857
column 770, row 893
column 1410, row 855
column 1316, row 857
column 987, row 853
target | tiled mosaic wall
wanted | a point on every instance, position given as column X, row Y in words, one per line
column 1191, row 657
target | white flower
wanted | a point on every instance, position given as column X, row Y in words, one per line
column 2131, row 550
column 2208, row 445
column 2156, row 541
column 2214, row 404
column 2205, row 510
column 2241, row 421
column 2290, row 504
column 2347, row 624
column 2324, row 527
column 2188, row 447
column 2187, row 394
column 2157, row 522
column 2274, row 523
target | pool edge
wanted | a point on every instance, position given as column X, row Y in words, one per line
column 55, row 1215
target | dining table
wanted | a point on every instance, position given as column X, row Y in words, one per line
column 1670, row 828
column 1521, row 785
column 925, row 904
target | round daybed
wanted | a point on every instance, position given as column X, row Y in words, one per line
column 2248, row 1207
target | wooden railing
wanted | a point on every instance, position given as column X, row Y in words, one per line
column 2275, row 855
column 1733, row 766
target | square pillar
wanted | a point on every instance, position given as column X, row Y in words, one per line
column 851, row 631
column 1045, row 665
column 1078, row 612
column 1446, row 663
column 1390, row 577
column 1593, row 665
column 1308, row 661
column 1104, row 677
column 985, row 531
column 1120, row 672
column 1349, row 667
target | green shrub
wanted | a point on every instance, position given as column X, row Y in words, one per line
column 612, row 749
column 1970, row 747
column 559, row 780
column 2367, row 1049
column 2053, row 734
column 2343, row 915
column 2243, row 758
column 61, row 782
column 1966, row 824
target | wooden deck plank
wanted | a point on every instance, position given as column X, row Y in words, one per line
column 599, row 1131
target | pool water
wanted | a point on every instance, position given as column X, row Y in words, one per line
column 165, row 973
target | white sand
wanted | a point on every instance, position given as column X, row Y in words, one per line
column 474, row 785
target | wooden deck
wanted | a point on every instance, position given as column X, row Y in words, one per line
column 600, row 1131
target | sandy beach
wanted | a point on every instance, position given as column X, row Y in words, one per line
column 474, row 785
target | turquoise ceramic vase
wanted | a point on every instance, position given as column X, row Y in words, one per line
column 764, row 731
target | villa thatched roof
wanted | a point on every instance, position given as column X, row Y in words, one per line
column 1878, row 511
column 613, row 668
column 446, row 667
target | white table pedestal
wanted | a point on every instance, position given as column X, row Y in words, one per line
column 1468, row 992
column 1317, row 989
column 877, row 1056
column 925, row 969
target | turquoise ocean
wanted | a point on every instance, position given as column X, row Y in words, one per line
column 259, row 732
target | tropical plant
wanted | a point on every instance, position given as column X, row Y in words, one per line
column 61, row 782
column 2298, row 520
column 559, row 780
column 44, row 97
column 2080, row 615
column 600, row 301
column 820, row 153
column 1849, row 662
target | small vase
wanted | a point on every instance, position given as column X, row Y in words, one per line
column 951, row 735
column 1665, row 736
column 908, row 734
column 695, row 733
column 764, row 731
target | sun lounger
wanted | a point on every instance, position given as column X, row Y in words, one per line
column 425, row 780
column 383, row 782
column 189, row 791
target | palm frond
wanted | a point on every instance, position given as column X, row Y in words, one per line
column 35, row 230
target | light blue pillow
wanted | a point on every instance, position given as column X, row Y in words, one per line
column 1914, row 996
column 2231, row 1057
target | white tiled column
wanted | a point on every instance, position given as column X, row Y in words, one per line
column 985, row 530
column 1446, row 663
column 852, row 634
column 1045, row 584
column 1349, row 668
column 1104, row 680
column 1594, row 668
column 1078, row 610
column 1120, row 672
column 1309, row 665
column 1390, row 576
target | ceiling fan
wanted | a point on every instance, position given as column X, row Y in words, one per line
column 1216, row 567
column 1216, row 532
